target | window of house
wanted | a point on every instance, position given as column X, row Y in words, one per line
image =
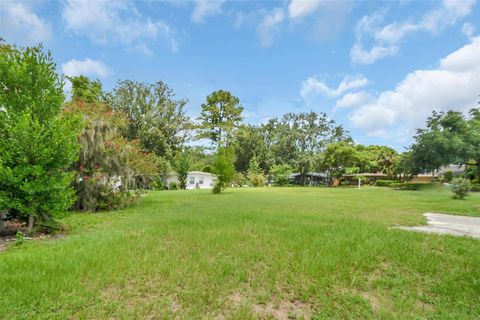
column 192, row 180
column 200, row 180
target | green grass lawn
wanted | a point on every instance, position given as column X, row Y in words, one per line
column 251, row 253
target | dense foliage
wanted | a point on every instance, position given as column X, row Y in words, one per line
column 110, row 146
column 460, row 188
column 37, row 144
column 154, row 116
column 111, row 170
column 449, row 138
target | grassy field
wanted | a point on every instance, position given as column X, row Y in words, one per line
column 265, row 253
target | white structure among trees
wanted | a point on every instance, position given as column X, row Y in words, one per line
column 195, row 180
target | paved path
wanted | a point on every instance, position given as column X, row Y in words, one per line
column 449, row 224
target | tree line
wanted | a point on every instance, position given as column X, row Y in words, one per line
column 100, row 150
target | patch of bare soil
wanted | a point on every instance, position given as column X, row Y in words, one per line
column 5, row 241
column 8, row 235
column 284, row 310
column 280, row 310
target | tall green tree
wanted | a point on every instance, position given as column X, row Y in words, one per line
column 37, row 144
column 338, row 157
column 154, row 116
column 85, row 89
column 444, row 141
column 220, row 116
column 250, row 141
column 182, row 164
column 472, row 139
column 302, row 136
column 111, row 170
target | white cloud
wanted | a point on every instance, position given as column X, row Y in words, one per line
column 468, row 29
column 387, row 38
column 313, row 86
column 363, row 56
column 447, row 14
column 86, row 67
column 352, row 99
column 454, row 84
column 268, row 28
column 22, row 26
column 301, row 8
column 106, row 22
column 205, row 8
column 395, row 32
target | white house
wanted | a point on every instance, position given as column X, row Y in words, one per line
column 195, row 180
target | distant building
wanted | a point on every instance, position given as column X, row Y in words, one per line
column 195, row 180
column 455, row 168
column 311, row 178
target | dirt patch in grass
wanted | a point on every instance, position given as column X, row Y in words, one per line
column 7, row 241
column 280, row 310
column 284, row 310
column 373, row 299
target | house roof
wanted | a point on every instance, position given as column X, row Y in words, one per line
column 311, row 174
column 366, row 174
column 174, row 174
column 201, row 173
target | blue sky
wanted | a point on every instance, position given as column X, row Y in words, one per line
column 378, row 68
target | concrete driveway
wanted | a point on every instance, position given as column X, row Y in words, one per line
column 449, row 224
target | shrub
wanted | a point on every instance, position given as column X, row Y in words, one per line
column 239, row 179
column 217, row 188
column 257, row 179
column 19, row 238
column 281, row 174
column 255, row 174
column 157, row 183
column 173, row 186
column 448, row 176
column 460, row 188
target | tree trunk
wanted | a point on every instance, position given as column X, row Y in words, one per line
column 478, row 169
column 30, row 224
column 2, row 224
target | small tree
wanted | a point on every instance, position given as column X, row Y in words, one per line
column 255, row 174
column 448, row 176
column 223, row 168
column 460, row 188
column 281, row 174
column 239, row 179
column 37, row 144
column 181, row 164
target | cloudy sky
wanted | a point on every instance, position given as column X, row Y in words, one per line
column 378, row 68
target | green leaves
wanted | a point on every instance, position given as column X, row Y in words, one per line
column 181, row 164
column 223, row 167
column 449, row 138
column 219, row 118
column 37, row 143
column 154, row 116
